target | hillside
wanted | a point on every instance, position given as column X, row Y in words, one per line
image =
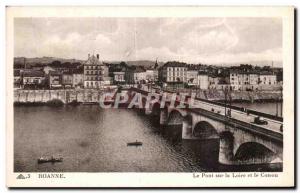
column 145, row 63
column 43, row 60
column 48, row 60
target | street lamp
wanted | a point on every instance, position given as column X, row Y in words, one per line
column 227, row 95
column 281, row 101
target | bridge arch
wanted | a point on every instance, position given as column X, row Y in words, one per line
column 187, row 126
column 156, row 109
column 204, row 129
column 254, row 152
column 226, row 147
column 163, row 118
column 175, row 118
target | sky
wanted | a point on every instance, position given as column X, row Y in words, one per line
column 191, row 40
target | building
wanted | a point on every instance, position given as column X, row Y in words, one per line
column 93, row 72
column 268, row 81
column 38, row 67
column 252, row 80
column 107, row 80
column 152, row 75
column 54, row 79
column 192, row 77
column 47, row 69
column 67, row 80
column 119, row 77
column 17, row 79
column 33, row 79
column 213, row 82
column 267, row 78
column 105, row 69
column 243, row 80
column 77, row 80
column 173, row 73
column 139, row 75
column 121, row 73
column 203, row 80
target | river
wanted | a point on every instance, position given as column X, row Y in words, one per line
column 266, row 107
column 91, row 139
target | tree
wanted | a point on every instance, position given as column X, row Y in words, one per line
column 56, row 63
column 266, row 68
column 66, row 64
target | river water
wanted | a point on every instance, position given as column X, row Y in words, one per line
column 266, row 107
column 91, row 139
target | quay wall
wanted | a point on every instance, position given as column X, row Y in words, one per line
column 248, row 96
column 236, row 96
column 66, row 96
column 93, row 95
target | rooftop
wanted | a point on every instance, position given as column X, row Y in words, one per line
column 202, row 73
column 17, row 73
column 33, row 73
column 93, row 60
column 139, row 69
column 251, row 72
column 54, row 73
column 175, row 64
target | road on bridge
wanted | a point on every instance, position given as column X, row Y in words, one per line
column 236, row 114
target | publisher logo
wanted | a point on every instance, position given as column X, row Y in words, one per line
column 22, row 177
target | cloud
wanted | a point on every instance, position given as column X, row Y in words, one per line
column 193, row 40
column 267, row 55
column 163, row 54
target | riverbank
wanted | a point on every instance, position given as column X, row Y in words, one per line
column 236, row 96
column 68, row 96
column 50, row 103
column 39, row 97
column 242, row 96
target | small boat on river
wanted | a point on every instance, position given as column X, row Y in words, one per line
column 136, row 143
column 49, row 159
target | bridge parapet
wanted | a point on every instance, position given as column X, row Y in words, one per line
column 237, row 138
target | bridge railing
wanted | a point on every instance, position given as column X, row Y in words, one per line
column 242, row 109
column 232, row 121
column 240, row 124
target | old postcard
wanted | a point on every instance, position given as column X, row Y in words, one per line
column 150, row 96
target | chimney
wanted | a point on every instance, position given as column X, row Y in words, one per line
column 98, row 56
column 88, row 56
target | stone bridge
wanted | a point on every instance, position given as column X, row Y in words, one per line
column 240, row 142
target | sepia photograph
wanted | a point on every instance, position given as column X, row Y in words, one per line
column 205, row 96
